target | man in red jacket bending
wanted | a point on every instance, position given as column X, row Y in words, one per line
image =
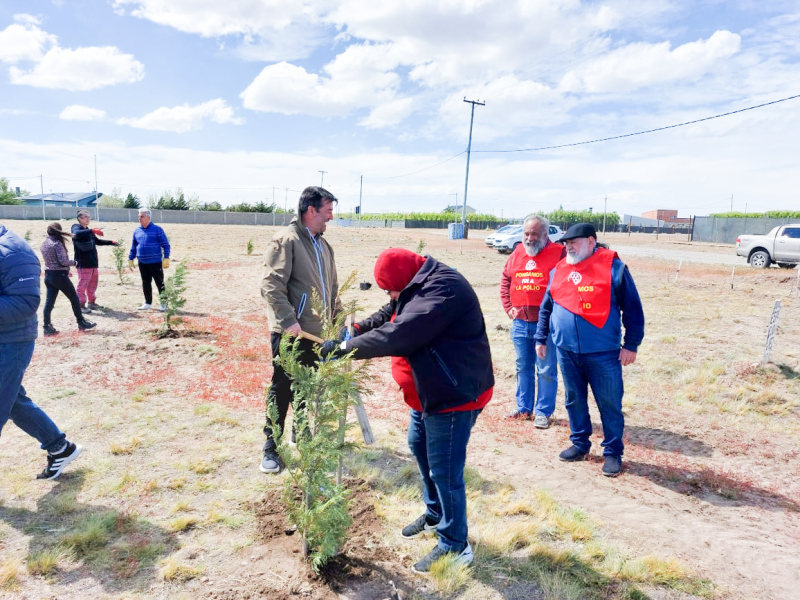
column 522, row 288
column 434, row 331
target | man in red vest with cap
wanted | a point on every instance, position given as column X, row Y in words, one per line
column 522, row 287
column 433, row 329
column 590, row 298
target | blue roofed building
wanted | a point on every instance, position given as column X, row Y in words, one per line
column 61, row 199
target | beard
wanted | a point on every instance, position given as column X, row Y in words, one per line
column 533, row 248
column 576, row 257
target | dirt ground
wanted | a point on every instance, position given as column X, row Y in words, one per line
column 711, row 470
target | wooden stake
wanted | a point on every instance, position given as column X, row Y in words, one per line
column 733, row 270
column 678, row 272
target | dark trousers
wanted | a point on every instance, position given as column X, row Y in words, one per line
column 151, row 272
column 439, row 443
column 58, row 281
column 280, row 392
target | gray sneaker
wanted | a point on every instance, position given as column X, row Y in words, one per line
column 271, row 462
column 542, row 422
column 465, row 557
column 421, row 525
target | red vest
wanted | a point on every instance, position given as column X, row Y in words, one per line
column 585, row 289
column 531, row 274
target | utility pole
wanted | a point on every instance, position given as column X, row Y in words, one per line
column 605, row 203
column 731, row 202
column 360, row 190
column 41, row 183
column 286, row 199
column 96, row 207
column 321, row 177
column 469, row 148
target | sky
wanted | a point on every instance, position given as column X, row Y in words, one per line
column 248, row 100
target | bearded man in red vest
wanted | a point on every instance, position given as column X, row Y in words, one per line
column 591, row 296
column 522, row 288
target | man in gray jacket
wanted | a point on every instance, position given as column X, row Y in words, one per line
column 297, row 264
column 20, row 274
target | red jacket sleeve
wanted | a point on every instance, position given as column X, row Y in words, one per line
column 505, row 288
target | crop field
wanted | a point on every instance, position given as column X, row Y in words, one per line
column 167, row 500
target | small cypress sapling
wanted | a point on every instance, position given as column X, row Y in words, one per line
column 322, row 396
column 250, row 246
column 120, row 262
column 172, row 297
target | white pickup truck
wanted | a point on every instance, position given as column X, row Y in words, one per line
column 781, row 246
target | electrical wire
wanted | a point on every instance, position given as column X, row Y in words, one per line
column 415, row 172
column 617, row 137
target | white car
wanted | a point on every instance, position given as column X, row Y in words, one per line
column 508, row 241
column 505, row 229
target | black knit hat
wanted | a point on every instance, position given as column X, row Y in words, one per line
column 579, row 230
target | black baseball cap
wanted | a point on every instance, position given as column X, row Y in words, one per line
column 579, row 230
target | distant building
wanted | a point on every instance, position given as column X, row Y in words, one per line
column 79, row 199
column 666, row 215
column 459, row 208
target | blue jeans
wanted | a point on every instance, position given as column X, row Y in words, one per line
column 602, row 371
column 439, row 443
column 531, row 369
column 15, row 405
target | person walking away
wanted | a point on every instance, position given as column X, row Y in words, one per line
column 522, row 287
column 150, row 247
column 20, row 287
column 85, row 242
column 298, row 262
column 591, row 296
column 435, row 325
column 56, row 278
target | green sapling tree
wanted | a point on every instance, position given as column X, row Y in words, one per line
column 172, row 298
column 322, row 396
column 119, row 262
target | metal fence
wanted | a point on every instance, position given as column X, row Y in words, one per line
column 725, row 230
column 131, row 215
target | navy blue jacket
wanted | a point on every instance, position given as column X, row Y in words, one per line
column 20, row 274
column 148, row 243
column 575, row 334
column 439, row 328
column 85, row 241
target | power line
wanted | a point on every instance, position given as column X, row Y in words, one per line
column 617, row 137
column 415, row 172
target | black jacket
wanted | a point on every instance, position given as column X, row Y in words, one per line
column 85, row 241
column 439, row 328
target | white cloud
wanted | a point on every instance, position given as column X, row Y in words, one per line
column 24, row 40
column 389, row 114
column 81, row 70
column 76, row 112
column 181, row 119
column 640, row 64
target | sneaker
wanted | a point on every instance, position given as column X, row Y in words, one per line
column 572, row 454
column 145, row 306
column 86, row 310
column 50, row 330
column 84, row 325
column 518, row 414
column 57, row 462
column 421, row 525
column 271, row 462
column 163, row 308
column 542, row 422
column 465, row 557
column 612, row 466
column 94, row 306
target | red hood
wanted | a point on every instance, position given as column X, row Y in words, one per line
column 396, row 267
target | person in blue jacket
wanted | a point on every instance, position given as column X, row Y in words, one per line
column 590, row 297
column 151, row 247
column 20, row 274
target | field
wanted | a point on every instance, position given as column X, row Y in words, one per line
column 168, row 502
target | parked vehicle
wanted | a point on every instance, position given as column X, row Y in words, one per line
column 505, row 229
column 781, row 246
column 506, row 243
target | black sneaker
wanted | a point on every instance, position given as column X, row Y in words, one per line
column 612, row 466
column 93, row 306
column 465, row 557
column 572, row 454
column 57, row 462
column 86, row 310
column 271, row 462
column 421, row 525
column 84, row 325
column 50, row 330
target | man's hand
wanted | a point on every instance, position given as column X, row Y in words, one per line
column 541, row 351
column 115, row 243
column 294, row 330
column 165, row 263
column 344, row 333
column 131, row 266
column 331, row 349
column 626, row 357
column 512, row 313
column 98, row 232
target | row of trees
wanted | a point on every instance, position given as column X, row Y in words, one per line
column 9, row 196
column 771, row 214
column 177, row 200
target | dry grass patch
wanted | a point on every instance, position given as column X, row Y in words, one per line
column 45, row 562
column 129, row 448
column 183, row 523
column 10, row 571
column 172, row 569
